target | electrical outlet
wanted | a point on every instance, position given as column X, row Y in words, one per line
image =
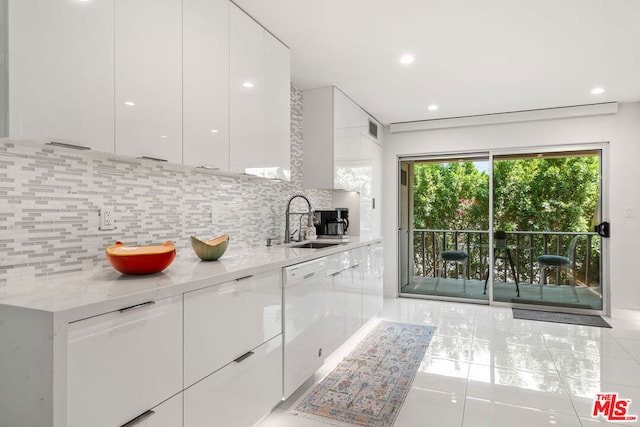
column 107, row 219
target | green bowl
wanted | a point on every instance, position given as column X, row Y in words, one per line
column 210, row 250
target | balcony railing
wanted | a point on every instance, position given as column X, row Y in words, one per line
column 525, row 247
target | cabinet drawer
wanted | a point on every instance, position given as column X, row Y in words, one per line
column 225, row 321
column 167, row 414
column 123, row 363
column 239, row 394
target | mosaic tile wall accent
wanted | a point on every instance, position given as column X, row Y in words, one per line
column 50, row 199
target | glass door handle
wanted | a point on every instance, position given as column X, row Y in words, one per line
column 603, row 229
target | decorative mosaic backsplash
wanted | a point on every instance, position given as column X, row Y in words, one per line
column 50, row 198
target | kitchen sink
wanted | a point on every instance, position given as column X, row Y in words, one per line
column 317, row 245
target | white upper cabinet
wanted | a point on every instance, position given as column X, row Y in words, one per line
column 343, row 151
column 148, row 78
column 318, row 144
column 350, row 158
column 336, row 135
column 197, row 82
column 61, row 71
column 206, row 83
column 277, row 109
column 247, row 94
column 348, row 116
column 260, row 100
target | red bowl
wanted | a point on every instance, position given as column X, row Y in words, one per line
column 142, row 259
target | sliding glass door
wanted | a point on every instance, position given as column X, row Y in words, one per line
column 545, row 207
column 444, row 226
column 540, row 248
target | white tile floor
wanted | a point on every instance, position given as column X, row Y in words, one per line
column 484, row 368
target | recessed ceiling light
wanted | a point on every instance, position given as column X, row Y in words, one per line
column 597, row 90
column 248, row 85
column 407, row 59
column 432, row 107
column 214, row 131
column 129, row 103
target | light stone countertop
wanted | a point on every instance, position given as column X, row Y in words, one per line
column 81, row 295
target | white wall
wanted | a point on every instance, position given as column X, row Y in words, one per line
column 621, row 130
column 4, row 106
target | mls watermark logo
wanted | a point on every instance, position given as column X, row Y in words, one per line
column 612, row 408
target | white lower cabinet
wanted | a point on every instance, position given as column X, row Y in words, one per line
column 212, row 356
column 233, row 351
column 353, row 299
column 225, row 321
column 372, row 287
column 342, row 299
column 352, row 293
column 122, row 364
column 239, row 394
column 335, row 312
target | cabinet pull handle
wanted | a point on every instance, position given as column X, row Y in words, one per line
column 157, row 159
column 373, row 203
column 244, row 357
column 137, row 306
column 67, row 145
column 308, row 276
column 244, row 277
column 138, row 419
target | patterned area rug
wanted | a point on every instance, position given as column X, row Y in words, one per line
column 369, row 386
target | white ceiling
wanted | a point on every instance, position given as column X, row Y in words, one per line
column 472, row 57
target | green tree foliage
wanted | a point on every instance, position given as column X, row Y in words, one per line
column 546, row 194
column 557, row 194
column 450, row 196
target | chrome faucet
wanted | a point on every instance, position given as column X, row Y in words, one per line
column 287, row 235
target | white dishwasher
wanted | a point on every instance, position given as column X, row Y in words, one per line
column 303, row 287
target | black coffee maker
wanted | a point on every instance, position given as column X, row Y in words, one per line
column 332, row 224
